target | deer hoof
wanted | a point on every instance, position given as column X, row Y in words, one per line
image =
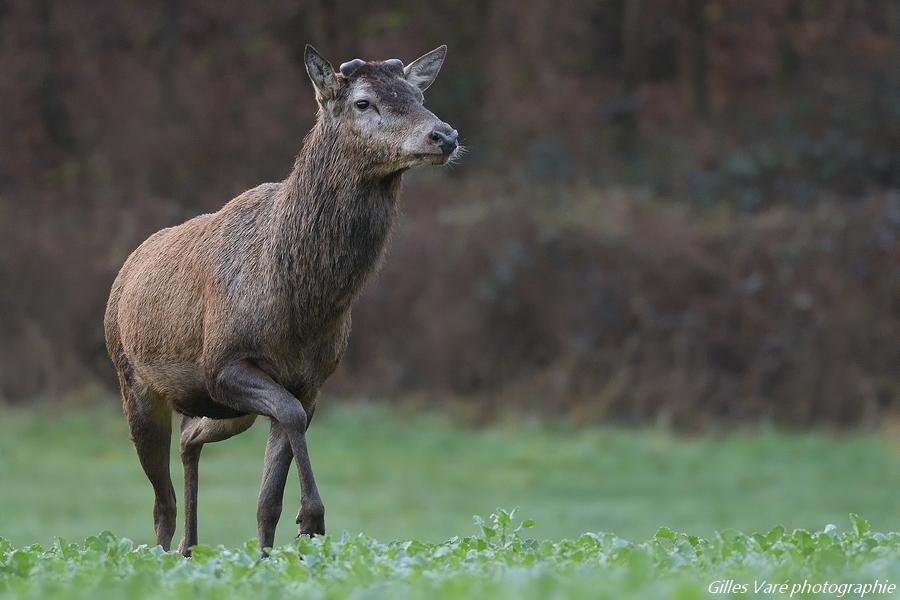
column 311, row 520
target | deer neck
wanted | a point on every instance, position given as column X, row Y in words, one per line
column 330, row 221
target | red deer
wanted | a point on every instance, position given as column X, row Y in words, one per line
column 246, row 311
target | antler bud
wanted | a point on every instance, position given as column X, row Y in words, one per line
column 350, row 67
column 394, row 61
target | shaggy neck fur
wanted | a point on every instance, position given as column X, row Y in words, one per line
column 330, row 221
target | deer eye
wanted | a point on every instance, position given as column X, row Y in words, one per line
column 362, row 104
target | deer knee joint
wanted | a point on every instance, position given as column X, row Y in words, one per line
column 292, row 417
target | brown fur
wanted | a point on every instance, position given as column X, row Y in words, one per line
column 246, row 311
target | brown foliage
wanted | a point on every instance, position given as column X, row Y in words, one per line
column 601, row 306
column 760, row 129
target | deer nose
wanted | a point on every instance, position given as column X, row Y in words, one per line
column 445, row 137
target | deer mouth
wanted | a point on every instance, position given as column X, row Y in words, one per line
column 434, row 158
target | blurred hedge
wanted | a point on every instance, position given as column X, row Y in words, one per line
column 597, row 305
column 678, row 210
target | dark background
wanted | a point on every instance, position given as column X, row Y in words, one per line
column 677, row 211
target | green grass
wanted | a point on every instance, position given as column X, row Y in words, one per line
column 401, row 488
column 500, row 561
column 397, row 475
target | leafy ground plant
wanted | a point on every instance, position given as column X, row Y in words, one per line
column 501, row 560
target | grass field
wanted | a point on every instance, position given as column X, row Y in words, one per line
column 414, row 481
column 500, row 561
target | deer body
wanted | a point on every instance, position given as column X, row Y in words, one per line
column 246, row 311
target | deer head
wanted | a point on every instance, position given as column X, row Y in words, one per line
column 376, row 109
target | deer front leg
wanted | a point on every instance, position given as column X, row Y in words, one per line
column 244, row 387
column 271, row 492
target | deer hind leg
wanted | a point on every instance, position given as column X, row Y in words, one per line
column 196, row 431
column 150, row 423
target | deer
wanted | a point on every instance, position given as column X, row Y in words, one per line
column 245, row 312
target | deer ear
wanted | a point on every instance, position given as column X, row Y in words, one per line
column 422, row 71
column 321, row 73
